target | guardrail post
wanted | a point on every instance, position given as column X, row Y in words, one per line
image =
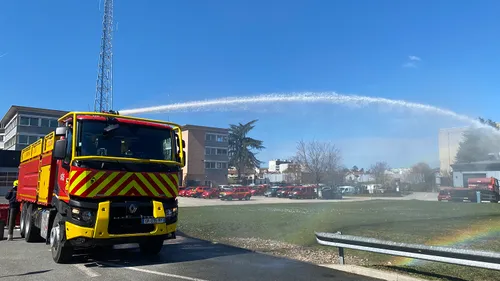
column 341, row 256
column 478, row 196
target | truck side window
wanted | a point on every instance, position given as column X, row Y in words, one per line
column 69, row 146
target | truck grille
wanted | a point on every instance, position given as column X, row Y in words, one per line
column 125, row 217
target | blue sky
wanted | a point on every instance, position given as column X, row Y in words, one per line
column 175, row 51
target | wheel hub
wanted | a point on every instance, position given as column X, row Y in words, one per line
column 54, row 236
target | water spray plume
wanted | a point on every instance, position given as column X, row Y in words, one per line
column 303, row 97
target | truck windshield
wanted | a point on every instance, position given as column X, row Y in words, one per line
column 97, row 138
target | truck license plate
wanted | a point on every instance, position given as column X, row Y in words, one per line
column 153, row 220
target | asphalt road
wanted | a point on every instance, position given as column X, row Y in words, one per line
column 181, row 259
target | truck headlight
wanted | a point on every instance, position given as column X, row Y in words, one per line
column 83, row 215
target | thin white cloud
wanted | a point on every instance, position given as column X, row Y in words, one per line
column 414, row 58
column 412, row 62
column 410, row 65
column 3, row 55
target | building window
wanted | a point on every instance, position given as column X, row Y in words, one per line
column 32, row 139
column 29, row 121
column 215, row 137
column 53, row 123
column 215, row 151
column 1, row 138
column 45, row 122
column 215, row 165
column 25, row 121
column 7, row 178
column 22, row 139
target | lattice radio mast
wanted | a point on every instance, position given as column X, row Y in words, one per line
column 104, row 86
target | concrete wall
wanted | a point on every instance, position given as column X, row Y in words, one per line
column 458, row 177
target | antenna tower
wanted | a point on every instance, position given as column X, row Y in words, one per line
column 104, row 86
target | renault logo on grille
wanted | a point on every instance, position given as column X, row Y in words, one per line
column 132, row 208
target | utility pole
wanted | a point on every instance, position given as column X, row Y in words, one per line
column 104, row 87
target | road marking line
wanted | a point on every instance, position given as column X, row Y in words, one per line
column 87, row 270
column 153, row 272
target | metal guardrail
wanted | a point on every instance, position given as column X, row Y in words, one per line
column 481, row 259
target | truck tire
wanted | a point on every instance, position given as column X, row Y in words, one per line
column 32, row 233
column 61, row 251
column 2, row 226
column 151, row 247
column 22, row 223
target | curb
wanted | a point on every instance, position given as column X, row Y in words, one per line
column 370, row 272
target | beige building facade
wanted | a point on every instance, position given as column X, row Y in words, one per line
column 207, row 156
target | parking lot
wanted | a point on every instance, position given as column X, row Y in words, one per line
column 195, row 202
column 181, row 259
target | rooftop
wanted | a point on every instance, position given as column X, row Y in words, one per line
column 204, row 128
column 16, row 108
column 488, row 165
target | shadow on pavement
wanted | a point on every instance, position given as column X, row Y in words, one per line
column 186, row 250
column 26, row 274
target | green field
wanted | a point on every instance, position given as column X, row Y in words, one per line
column 289, row 230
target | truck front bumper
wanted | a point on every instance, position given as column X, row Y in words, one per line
column 98, row 234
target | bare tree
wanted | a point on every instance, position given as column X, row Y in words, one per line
column 378, row 171
column 423, row 173
column 320, row 159
column 293, row 172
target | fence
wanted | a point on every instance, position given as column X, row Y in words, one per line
column 481, row 259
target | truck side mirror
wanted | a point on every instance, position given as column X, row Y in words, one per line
column 59, row 151
column 61, row 131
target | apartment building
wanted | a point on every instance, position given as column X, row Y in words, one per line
column 23, row 125
column 207, row 155
column 278, row 165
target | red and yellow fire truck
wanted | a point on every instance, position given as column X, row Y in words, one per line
column 101, row 179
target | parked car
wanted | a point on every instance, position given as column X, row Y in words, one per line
column 211, row 193
column 283, row 193
column 182, row 191
column 273, row 191
column 444, row 195
column 239, row 193
column 198, row 191
column 189, row 192
column 331, row 192
column 258, row 190
column 303, row 192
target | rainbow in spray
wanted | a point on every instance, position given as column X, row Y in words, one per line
column 461, row 238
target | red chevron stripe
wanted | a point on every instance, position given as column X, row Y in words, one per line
column 145, row 187
column 78, row 172
column 83, row 182
column 172, row 179
column 123, row 185
column 167, row 186
column 153, row 183
column 95, row 184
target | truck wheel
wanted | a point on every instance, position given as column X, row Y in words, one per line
column 61, row 253
column 22, row 221
column 151, row 247
column 32, row 233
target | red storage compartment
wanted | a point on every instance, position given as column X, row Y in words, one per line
column 4, row 214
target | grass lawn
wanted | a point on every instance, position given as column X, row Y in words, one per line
column 423, row 222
